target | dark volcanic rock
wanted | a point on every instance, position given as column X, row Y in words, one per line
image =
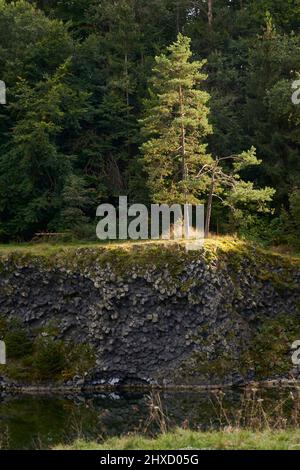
column 158, row 315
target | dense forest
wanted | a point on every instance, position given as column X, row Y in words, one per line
column 93, row 112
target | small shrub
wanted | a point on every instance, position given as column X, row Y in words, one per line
column 20, row 370
column 18, row 343
column 270, row 351
column 49, row 359
column 80, row 358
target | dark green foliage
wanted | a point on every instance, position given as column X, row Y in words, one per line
column 49, row 359
column 77, row 75
column 17, row 339
column 18, row 343
column 270, row 350
column 175, row 125
column 42, row 356
column 288, row 224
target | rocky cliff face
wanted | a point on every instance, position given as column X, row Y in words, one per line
column 158, row 314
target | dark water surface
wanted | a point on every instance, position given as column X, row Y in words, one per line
column 40, row 422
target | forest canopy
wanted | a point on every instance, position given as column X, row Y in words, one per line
column 84, row 84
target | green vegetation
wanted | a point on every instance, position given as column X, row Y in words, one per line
column 235, row 439
column 260, row 420
column 215, row 245
column 270, row 349
column 106, row 99
column 165, row 101
column 178, row 113
column 170, row 255
column 175, row 126
column 163, row 255
column 42, row 356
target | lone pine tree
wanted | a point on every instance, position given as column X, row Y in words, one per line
column 175, row 125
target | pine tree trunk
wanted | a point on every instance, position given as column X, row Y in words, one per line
column 209, row 207
column 183, row 153
column 210, row 13
column 182, row 138
column 126, row 77
column 177, row 18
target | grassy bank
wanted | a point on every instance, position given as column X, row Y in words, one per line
column 230, row 439
column 224, row 243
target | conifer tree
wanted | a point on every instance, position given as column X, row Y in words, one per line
column 226, row 185
column 175, row 125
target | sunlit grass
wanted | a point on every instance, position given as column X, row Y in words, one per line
column 230, row 439
column 224, row 243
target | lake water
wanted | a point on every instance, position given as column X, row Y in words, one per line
column 41, row 422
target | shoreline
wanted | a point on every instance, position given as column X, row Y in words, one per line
column 51, row 389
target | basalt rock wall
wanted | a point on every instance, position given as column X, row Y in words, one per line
column 158, row 314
